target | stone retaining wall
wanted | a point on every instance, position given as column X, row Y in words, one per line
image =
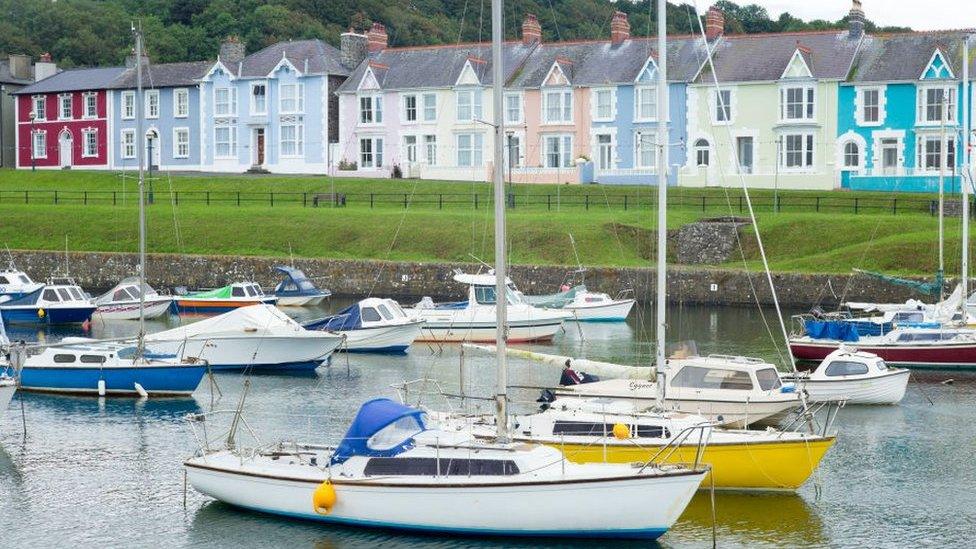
column 100, row 271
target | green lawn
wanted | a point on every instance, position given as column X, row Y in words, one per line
column 606, row 234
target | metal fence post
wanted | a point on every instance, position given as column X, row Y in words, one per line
column 856, row 204
column 587, row 202
column 371, row 201
column 208, row 198
column 818, row 203
column 272, row 198
column 86, row 198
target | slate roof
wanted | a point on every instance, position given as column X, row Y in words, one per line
column 901, row 57
column 75, row 80
column 434, row 66
column 764, row 57
column 321, row 58
column 164, row 75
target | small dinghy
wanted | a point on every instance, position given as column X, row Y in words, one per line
column 372, row 325
column 222, row 300
column 854, row 376
column 58, row 302
column 259, row 337
column 122, row 302
column 296, row 290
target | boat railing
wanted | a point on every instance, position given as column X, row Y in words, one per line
column 665, row 453
column 209, row 441
column 626, row 293
column 735, row 358
column 808, row 417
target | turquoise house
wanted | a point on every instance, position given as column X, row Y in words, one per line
column 900, row 114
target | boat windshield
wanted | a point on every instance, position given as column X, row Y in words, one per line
column 51, row 295
column 485, row 295
column 385, row 312
column 845, row 368
column 395, row 433
column 697, row 377
column 912, row 317
column 768, row 379
column 881, row 365
column 25, row 280
column 369, row 314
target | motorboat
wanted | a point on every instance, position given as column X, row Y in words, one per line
column 853, row 376
column 732, row 391
column 612, row 431
column 122, row 302
column 221, row 300
column 15, row 283
column 393, row 471
column 585, row 306
column 255, row 338
column 938, row 347
column 100, row 368
column 60, row 301
column 473, row 320
column 296, row 290
column 372, row 325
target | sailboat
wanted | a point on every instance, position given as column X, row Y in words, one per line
column 393, row 470
column 112, row 368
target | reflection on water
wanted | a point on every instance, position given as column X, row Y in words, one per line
column 108, row 472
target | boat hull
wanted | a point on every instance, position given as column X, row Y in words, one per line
column 257, row 353
column 46, row 315
column 129, row 310
column 960, row 355
column 162, row 380
column 616, row 311
column 7, row 391
column 205, row 306
column 301, row 300
column 391, row 339
column 762, row 466
column 888, row 388
column 485, row 332
column 527, row 509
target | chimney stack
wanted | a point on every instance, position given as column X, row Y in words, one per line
column 714, row 23
column 376, row 38
column 619, row 28
column 531, row 30
column 856, row 20
column 44, row 67
column 352, row 48
column 20, row 66
column 231, row 51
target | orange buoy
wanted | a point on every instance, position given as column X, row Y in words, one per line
column 40, row 313
column 324, row 498
column 621, row 431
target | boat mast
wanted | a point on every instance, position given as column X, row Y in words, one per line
column 501, row 255
column 943, row 157
column 662, row 195
column 964, row 181
column 140, row 158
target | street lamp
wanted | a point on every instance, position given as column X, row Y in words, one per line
column 33, row 139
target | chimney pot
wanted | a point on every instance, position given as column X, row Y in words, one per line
column 376, row 38
column 531, row 30
column 231, row 51
column 619, row 28
column 714, row 23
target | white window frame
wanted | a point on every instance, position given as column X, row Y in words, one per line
column 230, row 104
column 125, row 143
column 644, row 141
column 563, row 107
column 476, row 148
column 298, row 143
column 430, row 149
column 177, row 143
column 808, row 152
column 252, row 98
column 375, row 152
column 152, row 104
column 473, row 104
column 565, row 152
column 39, row 100
column 729, row 107
column 409, row 149
column 295, row 93
column 405, row 108
column 128, row 106
column 231, row 142
column 181, row 103
column 639, row 115
column 89, row 137
column 519, row 104
column 595, row 104
column 61, row 112
column 921, row 154
column 429, row 102
column 85, row 98
column 807, row 104
column 736, row 159
column 697, row 150
column 922, row 104
column 860, row 105
column 595, row 134
column 375, row 109
column 42, row 135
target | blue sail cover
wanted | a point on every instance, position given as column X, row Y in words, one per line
column 831, row 329
column 373, row 416
column 349, row 318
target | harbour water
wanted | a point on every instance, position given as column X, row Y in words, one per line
column 108, row 472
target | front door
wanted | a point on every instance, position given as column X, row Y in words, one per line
column 889, row 156
column 152, row 149
column 259, row 146
column 64, row 149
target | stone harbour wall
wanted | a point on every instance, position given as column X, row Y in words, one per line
column 97, row 272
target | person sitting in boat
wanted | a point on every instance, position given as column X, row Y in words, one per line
column 575, row 377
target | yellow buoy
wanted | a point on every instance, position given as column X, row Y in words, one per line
column 323, row 498
column 621, row 431
column 40, row 313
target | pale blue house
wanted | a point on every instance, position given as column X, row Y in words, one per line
column 170, row 112
column 900, row 113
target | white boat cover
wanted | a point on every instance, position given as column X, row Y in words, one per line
column 257, row 320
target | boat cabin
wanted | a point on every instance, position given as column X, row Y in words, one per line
column 246, row 289
column 721, row 372
column 371, row 312
column 126, row 291
column 847, row 363
column 14, row 283
column 295, row 283
column 64, row 295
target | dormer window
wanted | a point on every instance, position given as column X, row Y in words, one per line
column 797, row 103
column 558, row 106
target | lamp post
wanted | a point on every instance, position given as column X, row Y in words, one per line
column 33, row 152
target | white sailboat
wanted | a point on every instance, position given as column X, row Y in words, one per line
column 391, row 470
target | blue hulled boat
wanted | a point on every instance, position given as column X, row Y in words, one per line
column 54, row 303
column 295, row 289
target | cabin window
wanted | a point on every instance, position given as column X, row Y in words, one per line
column 909, row 317
column 484, row 295
column 881, row 365
column 697, row 377
column 250, row 291
column 51, row 295
column 64, row 359
column 768, row 379
column 289, row 287
column 93, row 359
column 24, row 279
column 257, row 290
column 846, row 368
column 395, row 433
column 587, row 428
column 133, row 292
column 391, row 466
column 65, row 294
column 385, row 312
column 926, row 336
column 370, row 315
column 3, row 280
column 76, row 293
column 120, row 295
column 237, row 291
